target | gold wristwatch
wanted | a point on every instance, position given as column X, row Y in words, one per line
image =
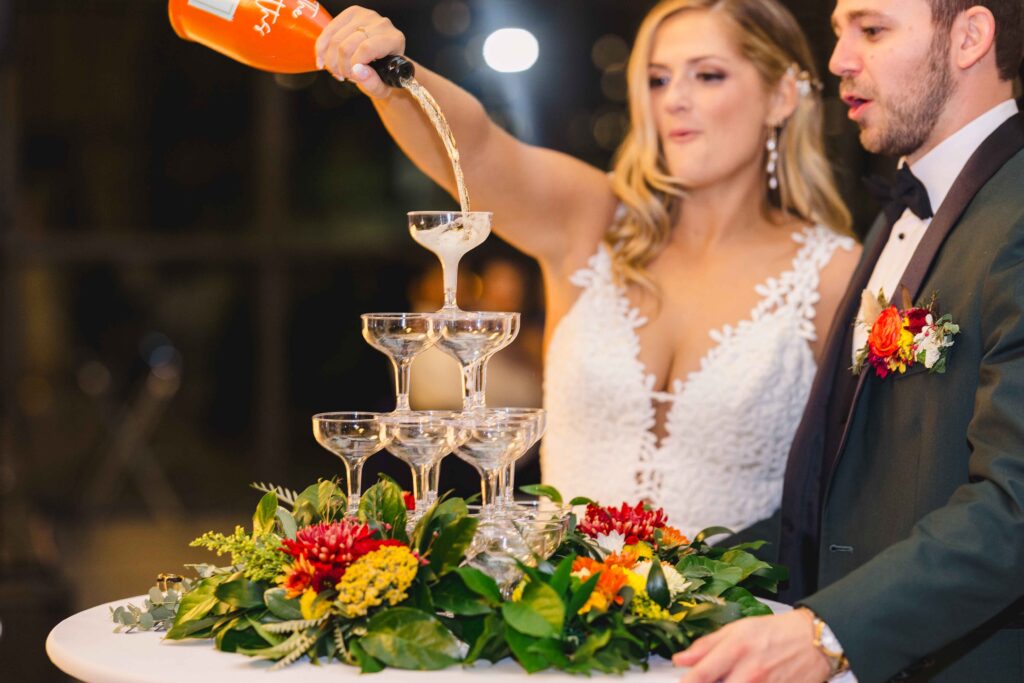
column 828, row 645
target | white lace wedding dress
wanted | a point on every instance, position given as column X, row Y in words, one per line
column 730, row 423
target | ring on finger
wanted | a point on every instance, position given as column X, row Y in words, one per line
column 363, row 30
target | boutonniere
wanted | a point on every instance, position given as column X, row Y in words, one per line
column 899, row 339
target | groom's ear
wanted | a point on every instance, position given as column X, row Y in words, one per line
column 973, row 38
column 784, row 99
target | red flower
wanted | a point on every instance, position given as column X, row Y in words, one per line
column 323, row 552
column 410, row 500
column 917, row 319
column 884, row 338
column 635, row 523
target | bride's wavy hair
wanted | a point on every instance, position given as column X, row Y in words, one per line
column 770, row 38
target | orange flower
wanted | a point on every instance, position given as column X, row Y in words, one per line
column 884, row 339
column 626, row 560
column 611, row 580
column 671, row 537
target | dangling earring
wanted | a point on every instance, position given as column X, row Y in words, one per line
column 773, row 158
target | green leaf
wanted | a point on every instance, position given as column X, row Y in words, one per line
column 241, row 593
column 383, row 507
column 318, row 502
column 542, row 490
column 719, row 576
column 197, row 628
column 452, row 595
column 563, row 573
column 520, row 644
column 280, row 605
column 481, row 584
column 749, row 605
column 539, row 613
column 367, row 664
column 449, row 548
column 407, row 638
column 745, row 561
column 581, row 500
column 288, row 525
column 657, row 585
column 490, row 644
column 592, row 644
column 711, row 531
column 580, row 596
column 263, row 519
column 234, row 639
column 195, row 605
column 552, row 650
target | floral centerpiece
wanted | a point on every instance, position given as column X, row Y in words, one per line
column 309, row 582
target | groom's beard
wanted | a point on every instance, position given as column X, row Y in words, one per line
column 910, row 115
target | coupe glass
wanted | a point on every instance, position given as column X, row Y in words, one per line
column 534, row 422
column 471, row 338
column 486, row 440
column 449, row 234
column 420, row 438
column 353, row 437
column 399, row 336
column 496, row 550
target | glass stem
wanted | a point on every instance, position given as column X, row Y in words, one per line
column 354, row 482
column 402, row 368
column 489, row 490
column 510, row 483
column 422, row 496
column 450, row 273
column 471, row 399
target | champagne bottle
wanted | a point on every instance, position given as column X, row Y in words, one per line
column 272, row 35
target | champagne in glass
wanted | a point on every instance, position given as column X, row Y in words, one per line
column 449, row 235
column 353, row 437
column 400, row 337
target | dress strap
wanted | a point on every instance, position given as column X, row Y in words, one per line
column 797, row 288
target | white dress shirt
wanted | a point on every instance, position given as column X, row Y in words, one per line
column 937, row 171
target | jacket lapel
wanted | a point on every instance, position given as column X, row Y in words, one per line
column 991, row 155
column 809, row 456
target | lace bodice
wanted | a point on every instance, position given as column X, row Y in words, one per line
column 729, row 425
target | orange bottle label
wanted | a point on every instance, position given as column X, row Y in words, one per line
column 273, row 35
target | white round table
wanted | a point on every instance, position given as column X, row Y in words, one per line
column 85, row 646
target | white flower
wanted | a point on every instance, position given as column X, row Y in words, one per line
column 676, row 583
column 931, row 342
column 612, row 543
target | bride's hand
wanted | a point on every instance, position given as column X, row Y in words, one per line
column 352, row 40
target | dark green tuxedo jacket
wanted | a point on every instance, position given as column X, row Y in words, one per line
column 903, row 513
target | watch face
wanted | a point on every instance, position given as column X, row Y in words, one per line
column 830, row 642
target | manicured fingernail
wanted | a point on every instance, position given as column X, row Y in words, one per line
column 319, row 62
column 361, row 71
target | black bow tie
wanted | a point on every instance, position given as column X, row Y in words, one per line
column 906, row 191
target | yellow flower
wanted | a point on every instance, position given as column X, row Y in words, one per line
column 597, row 600
column 517, row 592
column 639, row 549
column 311, row 607
column 636, row 582
column 383, row 576
column 644, row 607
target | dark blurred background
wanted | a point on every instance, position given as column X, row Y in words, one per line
column 186, row 245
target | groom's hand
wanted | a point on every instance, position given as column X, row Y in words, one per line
column 771, row 649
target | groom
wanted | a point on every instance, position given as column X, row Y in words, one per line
column 903, row 513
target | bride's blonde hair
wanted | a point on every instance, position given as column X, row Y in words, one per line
column 770, row 38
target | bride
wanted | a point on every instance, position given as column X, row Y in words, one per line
column 690, row 290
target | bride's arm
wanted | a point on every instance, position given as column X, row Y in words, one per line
column 545, row 203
